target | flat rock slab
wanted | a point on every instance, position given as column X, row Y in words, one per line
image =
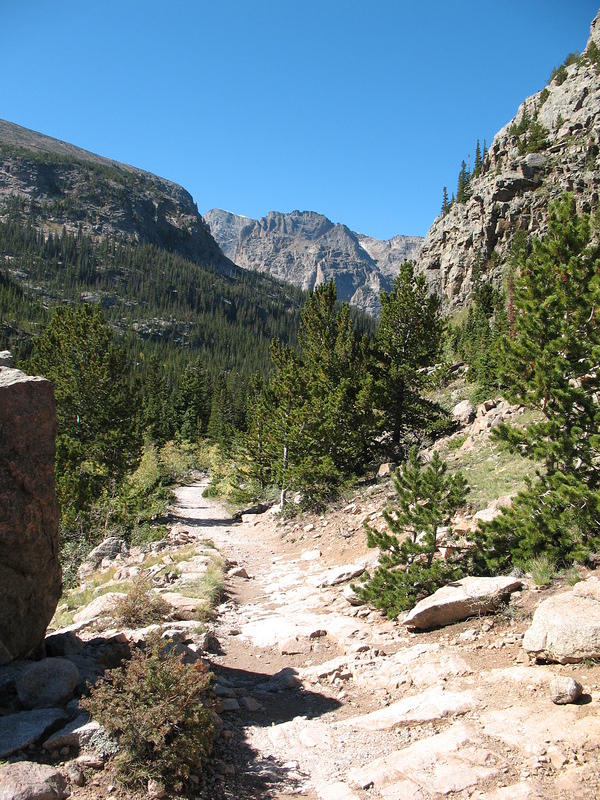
column 566, row 627
column 434, row 703
column 27, row 780
column 20, row 730
column 460, row 600
column 440, row 764
column 531, row 729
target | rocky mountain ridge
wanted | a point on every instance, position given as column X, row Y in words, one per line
column 524, row 169
column 306, row 249
column 61, row 185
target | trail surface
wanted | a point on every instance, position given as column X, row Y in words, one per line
column 329, row 701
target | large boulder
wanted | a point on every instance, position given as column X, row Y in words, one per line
column 566, row 627
column 460, row 600
column 30, row 576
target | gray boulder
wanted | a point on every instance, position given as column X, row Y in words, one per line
column 50, row 682
column 460, row 600
column 566, row 627
column 27, row 780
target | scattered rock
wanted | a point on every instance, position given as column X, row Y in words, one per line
column 250, row 703
column 351, row 596
column 463, row 413
column 155, row 789
column 100, row 607
column 229, row 704
column 341, row 574
column 47, row 683
column 238, row 572
column 317, row 634
column 566, row 627
column 564, row 690
column 20, row 730
column 457, row 601
column 386, row 469
column 108, row 549
column 76, row 734
column 26, row 780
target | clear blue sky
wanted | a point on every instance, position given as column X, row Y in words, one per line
column 360, row 110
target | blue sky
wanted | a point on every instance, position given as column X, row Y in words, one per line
column 359, row 110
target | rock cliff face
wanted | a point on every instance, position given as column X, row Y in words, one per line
column 67, row 186
column 515, row 185
column 306, row 249
column 30, row 576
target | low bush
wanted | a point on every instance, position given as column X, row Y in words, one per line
column 158, row 709
column 141, row 606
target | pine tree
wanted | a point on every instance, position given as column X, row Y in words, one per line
column 550, row 363
column 408, row 340
column 427, row 498
column 462, row 193
column 97, row 439
column 478, row 159
column 445, row 202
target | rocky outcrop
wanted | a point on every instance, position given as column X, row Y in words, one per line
column 64, row 185
column 306, row 249
column 30, row 576
column 514, row 187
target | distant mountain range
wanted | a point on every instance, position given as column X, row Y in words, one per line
column 306, row 249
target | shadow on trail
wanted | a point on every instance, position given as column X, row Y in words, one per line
column 195, row 522
column 259, row 776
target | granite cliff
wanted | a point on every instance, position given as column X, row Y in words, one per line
column 306, row 249
column 551, row 146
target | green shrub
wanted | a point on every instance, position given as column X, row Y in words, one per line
column 542, row 569
column 158, row 709
column 141, row 606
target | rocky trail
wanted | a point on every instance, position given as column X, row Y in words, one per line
column 329, row 701
column 320, row 696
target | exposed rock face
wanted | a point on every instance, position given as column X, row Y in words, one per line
column 307, row 249
column 514, row 188
column 73, row 187
column 30, row 576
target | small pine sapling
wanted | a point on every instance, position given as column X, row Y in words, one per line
column 408, row 569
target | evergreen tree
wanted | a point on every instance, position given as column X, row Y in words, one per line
column 191, row 402
column 427, row 498
column 478, row 159
column 445, row 202
column 550, row 363
column 97, row 440
column 408, row 340
column 462, row 193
